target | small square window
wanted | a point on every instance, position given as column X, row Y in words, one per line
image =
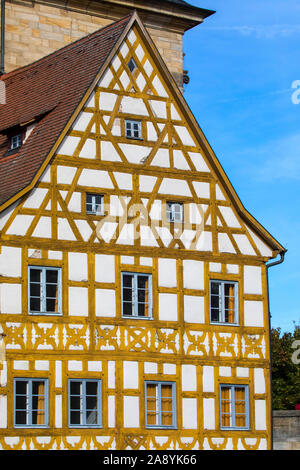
column 133, row 129
column 16, row 141
column 160, row 404
column 94, row 204
column 136, row 295
column 85, row 407
column 234, row 406
column 132, row 65
column 44, row 296
column 223, row 302
column 174, row 212
column 31, row 403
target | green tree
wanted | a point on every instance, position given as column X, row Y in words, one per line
column 285, row 372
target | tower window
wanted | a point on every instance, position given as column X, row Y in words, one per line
column 132, row 65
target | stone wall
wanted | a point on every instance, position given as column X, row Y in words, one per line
column 34, row 30
column 286, row 430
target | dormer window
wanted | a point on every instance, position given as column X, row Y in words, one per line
column 15, row 141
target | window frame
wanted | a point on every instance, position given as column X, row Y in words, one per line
column 159, row 383
column 223, row 282
column 131, row 60
column 233, row 427
column 83, row 397
column 132, row 136
column 171, row 204
column 43, row 288
column 135, row 296
column 94, row 195
column 17, row 136
column 29, row 397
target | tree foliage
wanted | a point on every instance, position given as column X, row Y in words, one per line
column 285, row 372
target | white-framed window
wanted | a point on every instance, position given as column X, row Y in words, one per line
column 174, row 212
column 133, row 129
column 44, row 290
column 31, row 402
column 234, row 406
column 136, row 295
column 16, row 141
column 94, row 204
column 132, row 65
column 160, row 404
column 223, row 302
column 85, row 403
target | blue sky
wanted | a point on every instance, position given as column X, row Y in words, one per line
column 242, row 62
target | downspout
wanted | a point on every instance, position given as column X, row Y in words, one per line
column 2, row 66
column 274, row 263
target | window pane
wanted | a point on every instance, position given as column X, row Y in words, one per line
column 35, row 290
column 21, row 387
column 51, row 305
column 127, row 294
column 152, row 405
column 92, row 417
column 229, row 303
column 215, row 315
column 21, row 402
column 75, row 402
column 75, row 417
column 35, row 304
column 75, row 387
column 21, row 417
column 127, row 280
column 226, row 406
column 91, row 388
column 35, row 275
column 215, row 287
column 51, row 276
column 128, row 308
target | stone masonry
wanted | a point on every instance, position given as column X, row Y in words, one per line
column 286, row 430
column 34, row 29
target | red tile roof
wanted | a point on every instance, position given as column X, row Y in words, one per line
column 48, row 91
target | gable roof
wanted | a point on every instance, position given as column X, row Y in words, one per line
column 53, row 89
column 48, row 91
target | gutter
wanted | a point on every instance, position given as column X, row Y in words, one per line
column 274, row 263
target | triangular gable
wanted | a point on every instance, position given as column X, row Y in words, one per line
column 172, row 141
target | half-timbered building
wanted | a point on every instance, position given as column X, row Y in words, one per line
column 133, row 296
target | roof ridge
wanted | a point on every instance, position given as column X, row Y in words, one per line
column 57, row 52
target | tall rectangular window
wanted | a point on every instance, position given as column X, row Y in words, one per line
column 85, row 408
column 30, row 402
column 234, row 406
column 136, row 295
column 16, row 141
column 160, row 404
column 44, row 290
column 95, row 204
column 133, row 129
column 223, row 302
column 174, row 212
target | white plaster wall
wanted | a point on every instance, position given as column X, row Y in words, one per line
column 169, row 369
column 20, row 225
column 193, row 309
column 58, row 411
column 75, row 202
column 174, row 186
column 189, row 378
column 104, row 268
column 147, row 183
column 95, row 179
column 253, row 313
column 111, row 372
column 10, row 298
column 3, row 411
column 209, row 413
column 260, row 415
column 111, row 411
column 124, row 180
column 199, row 162
column 189, row 413
column 193, row 274
column 10, row 261
column 185, row 136
column 244, row 244
column 65, row 174
column 167, row 272
column 78, row 301
column 89, row 149
column 252, row 280
column 202, row 189
column 131, row 412
column 131, row 105
column 150, row 368
column 82, row 121
column 58, row 374
column 225, row 245
column 135, row 153
column 130, row 374
column 259, row 381
column 229, row 217
column 78, row 267
column 64, row 230
column 159, row 87
column 105, row 303
column 43, row 228
column 35, row 198
column 168, row 307
column 208, row 379
column 68, row 145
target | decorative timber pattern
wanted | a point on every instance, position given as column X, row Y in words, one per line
column 90, row 338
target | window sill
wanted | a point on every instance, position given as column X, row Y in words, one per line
column 132, row 317
column 223, row 323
